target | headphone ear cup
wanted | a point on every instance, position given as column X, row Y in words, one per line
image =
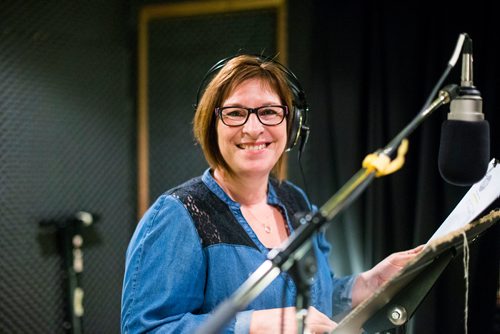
column 304, row 137
column 294, row 132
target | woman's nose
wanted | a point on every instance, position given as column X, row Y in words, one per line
column 253, row 125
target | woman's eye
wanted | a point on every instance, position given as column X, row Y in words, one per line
column 268, row 112
column 235, row 113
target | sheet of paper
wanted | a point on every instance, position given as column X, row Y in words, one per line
column 478, row 198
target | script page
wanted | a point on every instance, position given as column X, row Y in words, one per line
column 478, row 198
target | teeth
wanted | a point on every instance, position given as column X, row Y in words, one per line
column 253, row 147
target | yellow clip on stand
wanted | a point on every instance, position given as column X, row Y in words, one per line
column 382, row 164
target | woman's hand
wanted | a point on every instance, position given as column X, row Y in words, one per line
column 369, row 281
column 317, row 322
column 284, row 320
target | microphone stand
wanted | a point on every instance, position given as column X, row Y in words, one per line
column 302, row 273
column 299, row 244
column 70, row 242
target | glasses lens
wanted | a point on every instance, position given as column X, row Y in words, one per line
column 271, row 115
column 233, row 116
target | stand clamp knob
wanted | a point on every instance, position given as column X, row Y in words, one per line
column 397, row 315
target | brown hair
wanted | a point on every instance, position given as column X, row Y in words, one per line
column 234, row 72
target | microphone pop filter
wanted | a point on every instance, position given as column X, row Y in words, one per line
column 464, row 151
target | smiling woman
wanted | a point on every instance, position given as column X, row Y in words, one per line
column 199, row 242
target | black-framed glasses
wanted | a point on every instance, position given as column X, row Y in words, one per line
column 237, row 116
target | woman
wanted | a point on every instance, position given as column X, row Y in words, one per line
column 201, row 240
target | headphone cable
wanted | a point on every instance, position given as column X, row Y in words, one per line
column 303, row 176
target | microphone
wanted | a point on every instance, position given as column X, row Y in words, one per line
column 464, row 150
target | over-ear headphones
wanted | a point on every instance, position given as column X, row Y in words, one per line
column 298, row 131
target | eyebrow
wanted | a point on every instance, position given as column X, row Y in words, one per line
column 239, row 105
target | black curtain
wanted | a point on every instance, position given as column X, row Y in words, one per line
column 368, row 68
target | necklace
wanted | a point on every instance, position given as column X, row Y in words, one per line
column 267, row 228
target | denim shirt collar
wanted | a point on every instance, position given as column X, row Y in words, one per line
column 210, row 182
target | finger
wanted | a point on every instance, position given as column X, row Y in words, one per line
column 400, row 259
column 408, row 254
column 418, row 249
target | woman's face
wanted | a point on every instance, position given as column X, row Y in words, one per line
column 253, row 148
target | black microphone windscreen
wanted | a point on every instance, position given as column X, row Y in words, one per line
column 464, row 151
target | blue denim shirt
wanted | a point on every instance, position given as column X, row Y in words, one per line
column 172, row 283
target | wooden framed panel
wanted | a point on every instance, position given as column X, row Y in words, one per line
column 177, row 43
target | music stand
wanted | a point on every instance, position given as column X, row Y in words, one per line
column 398, row 299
